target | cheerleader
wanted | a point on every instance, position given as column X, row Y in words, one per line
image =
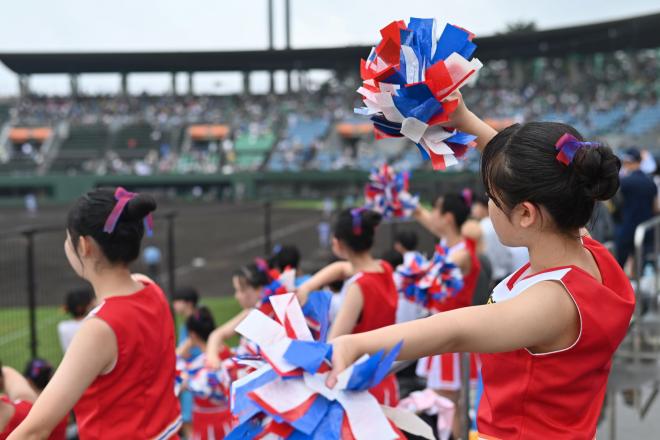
column 443, row 372
column 369, row 297
column 119, row 370
column 550, row 329
column 211, row 415
column 249, row 283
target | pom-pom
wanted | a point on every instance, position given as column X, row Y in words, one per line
column 387, row 193
column 407, row 79
column 287, row 396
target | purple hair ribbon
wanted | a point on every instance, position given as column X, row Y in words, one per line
column 568, row 146
column 356, row 213
column 466, row 194
column 123, row 197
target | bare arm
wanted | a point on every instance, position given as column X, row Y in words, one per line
column 218, row 337
column 93, row 351
column 466, row 121
column 349, row 313
column 463, row 260
column 425, row 218
column 16, row 386
column 339, row 270
column 543, row 318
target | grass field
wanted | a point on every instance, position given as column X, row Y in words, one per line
column 15, row 336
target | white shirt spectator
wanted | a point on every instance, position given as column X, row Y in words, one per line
column 503, row 259
column 66, row 331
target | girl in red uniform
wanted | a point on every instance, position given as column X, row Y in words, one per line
column 17, row 394
column 551, row 329
column 211, row 415
column 249, row 282
column 119, row 370
column 443, row 372
column 369, row 296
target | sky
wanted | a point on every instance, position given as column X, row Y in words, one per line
column 198, row 25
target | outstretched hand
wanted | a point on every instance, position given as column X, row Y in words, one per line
column 344, row 353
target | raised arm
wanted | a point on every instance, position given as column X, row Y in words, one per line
column 466, row 121
column 339, row 270
column 218, row 337
column 425, row 218
column 93, row 351
column 349, row 313
column 16, row 386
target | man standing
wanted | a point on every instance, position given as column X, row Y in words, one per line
column 637, row 203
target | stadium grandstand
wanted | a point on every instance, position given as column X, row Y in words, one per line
column 226, row 200
column 602, row 78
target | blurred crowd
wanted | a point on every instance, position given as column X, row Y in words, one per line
column 601, row 95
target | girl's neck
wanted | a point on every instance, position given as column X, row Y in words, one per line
column 363, row 262
column 555, row 250
column 116, row 281
column 452, row 237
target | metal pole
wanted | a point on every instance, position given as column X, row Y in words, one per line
column 171, row 253
column 393, row 232
column 464, row 405
column 267, row 228
column 31, row 291
column 287, row 42
column 271, row 43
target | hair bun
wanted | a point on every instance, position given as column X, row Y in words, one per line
column 371, row 219
column 598, row 172
column 139, row 207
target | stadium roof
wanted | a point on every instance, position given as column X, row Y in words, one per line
column 632, row 33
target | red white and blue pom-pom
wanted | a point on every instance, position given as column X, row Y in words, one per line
column 407, row 79
column 443, row 279
column 280, row 282
column 387, row 193
column 429, row 282
column 287, row 397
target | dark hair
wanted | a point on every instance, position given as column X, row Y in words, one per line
column 407, row 239
column 520, row 164
column 393, row 258
column 481, row 198
column 89, row 213
column 455, row 204
column 186, row 293
column 285, row 256
column 39, row 371
column 358, row 240
column 201, row 323
column 253, row 275
column 77, row 301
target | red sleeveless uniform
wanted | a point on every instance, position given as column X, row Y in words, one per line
column 380, row 300
column 443, row 371
column 136, row 399
column 21, row 410
column 211, row 421
column 558, row 395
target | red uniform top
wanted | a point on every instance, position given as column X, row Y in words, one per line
column 21, row 410
column 464, row 297
column 379, row 298
column 136, row 399
column 558, row 395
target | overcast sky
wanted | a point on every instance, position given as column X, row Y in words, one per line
column 168, row 25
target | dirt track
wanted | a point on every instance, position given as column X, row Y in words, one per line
column 222, row 237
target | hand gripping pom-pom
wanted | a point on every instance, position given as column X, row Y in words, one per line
column 407, row 80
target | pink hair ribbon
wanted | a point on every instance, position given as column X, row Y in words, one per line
column 123, row 197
